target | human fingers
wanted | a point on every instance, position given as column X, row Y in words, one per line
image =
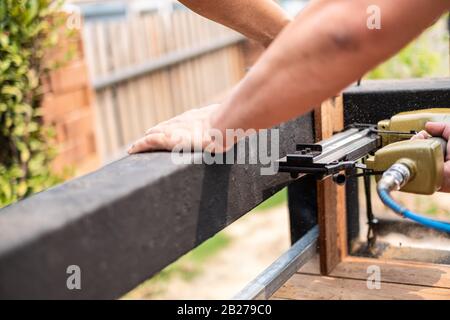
column 151, row 142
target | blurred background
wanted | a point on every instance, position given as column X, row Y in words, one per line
column 131, row 64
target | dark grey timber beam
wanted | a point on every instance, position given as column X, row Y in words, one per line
column 127, row 221
column 376, row 100
column 381, row 99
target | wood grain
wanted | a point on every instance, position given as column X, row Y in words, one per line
column 405, row 272
column 416, row 273
column 314, row 287
column 330, row 197
column 399, row 280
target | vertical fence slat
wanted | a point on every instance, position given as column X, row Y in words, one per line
column 106, row 107
column 153, row 81
column 90, row 52
column 163, row 45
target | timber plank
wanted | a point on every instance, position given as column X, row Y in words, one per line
column 331, row 208
column 395, row 271
column 399, row 280
column 416, row 273
column 314, row 287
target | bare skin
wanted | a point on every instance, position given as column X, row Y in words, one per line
column 326, row 48
column 439, row 129
column 260, row 20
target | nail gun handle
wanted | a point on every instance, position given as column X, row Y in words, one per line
column 443, row 143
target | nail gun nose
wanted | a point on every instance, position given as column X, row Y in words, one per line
column 339, row 178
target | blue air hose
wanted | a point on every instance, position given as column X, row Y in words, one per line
column 396, row 177
column 404, row 212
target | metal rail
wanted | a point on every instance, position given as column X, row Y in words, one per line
column 271, row 279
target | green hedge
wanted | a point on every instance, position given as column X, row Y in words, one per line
column 27, row 29
column 427, row 56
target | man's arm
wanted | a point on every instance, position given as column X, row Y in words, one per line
column 320, row 54
column 325, row 49
column 260, row 20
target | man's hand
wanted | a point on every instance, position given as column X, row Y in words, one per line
column 439, row 129
column 188, row 131
column 260, row 20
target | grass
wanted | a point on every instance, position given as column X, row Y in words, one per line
column 276, row 200
column 209, row 248
column 432, row 209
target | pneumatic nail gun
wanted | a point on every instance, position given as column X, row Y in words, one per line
column 384, row 150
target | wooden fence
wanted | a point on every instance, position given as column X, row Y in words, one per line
column 148, row 68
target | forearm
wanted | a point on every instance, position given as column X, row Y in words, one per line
column 324, row 50
column 260, row 20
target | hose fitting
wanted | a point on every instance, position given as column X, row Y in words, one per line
column 395, row 177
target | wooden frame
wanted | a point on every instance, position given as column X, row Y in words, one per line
column 338, row 207
column 333, row 274
column 329, row 118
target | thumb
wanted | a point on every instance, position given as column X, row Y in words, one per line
column 421, row 135
column 438, row 129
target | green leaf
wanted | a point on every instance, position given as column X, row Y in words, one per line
column 22, row 188
column 16, row 172
column 25, row 155
column 33, row 80
column 24, row 108
column 32, row 10
column 4, row 65
column 4, row 40
column 12, row 91
column 8, row 122
column 19, row 130
column 5, row 188
column 17, row 59
column 33, row 127
column 2, row 10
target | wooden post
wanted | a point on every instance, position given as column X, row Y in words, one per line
column 330, row 196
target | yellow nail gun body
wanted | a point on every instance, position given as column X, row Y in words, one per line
column 425, row 158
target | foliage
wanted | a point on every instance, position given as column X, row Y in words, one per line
column 28, row 28
column 278, row 199
column 427, row 56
